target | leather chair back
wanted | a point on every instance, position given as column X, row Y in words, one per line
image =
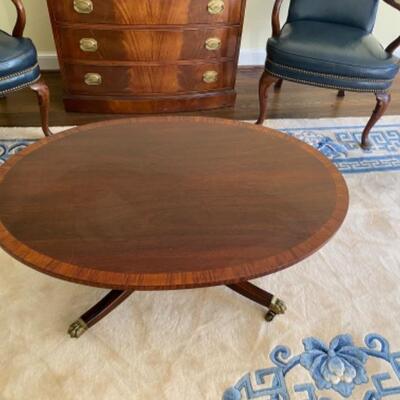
column 357, row 13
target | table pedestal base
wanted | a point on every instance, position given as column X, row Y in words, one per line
column 116, row 297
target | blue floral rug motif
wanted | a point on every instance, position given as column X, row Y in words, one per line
column 338, row 367
column 339, row 143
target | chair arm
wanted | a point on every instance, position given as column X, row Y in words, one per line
column 21, row 18
column 276, row 25
column 396, row 43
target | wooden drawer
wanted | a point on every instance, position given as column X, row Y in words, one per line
column 148, row 45
column 148, row 79
column 147, row 12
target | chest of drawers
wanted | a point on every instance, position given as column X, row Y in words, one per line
column 147, row 56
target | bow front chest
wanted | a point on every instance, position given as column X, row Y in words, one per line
column 147, row 56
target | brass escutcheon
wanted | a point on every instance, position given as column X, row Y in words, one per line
column 210, row 76
column 216, row 6
column 213, row 44
column 88, row 44
column 93, row 79
column 83, row 6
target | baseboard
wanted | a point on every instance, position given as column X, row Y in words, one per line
column 48, row 59
column 252, row 57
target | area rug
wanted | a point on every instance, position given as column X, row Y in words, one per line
column 339, row 338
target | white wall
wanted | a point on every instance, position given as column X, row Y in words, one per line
column 257, row 28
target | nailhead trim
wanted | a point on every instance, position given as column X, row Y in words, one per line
column 24, row 85
column 326, row 86
column 329, row 75
column 4, row 78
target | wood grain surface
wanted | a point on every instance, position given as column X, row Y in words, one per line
column 146, row 44
column 149, row 79
column 146, row 56
column 147, row 12
column 166, row 203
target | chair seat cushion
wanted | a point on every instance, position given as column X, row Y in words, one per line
column 331, row 55
column 18, row 63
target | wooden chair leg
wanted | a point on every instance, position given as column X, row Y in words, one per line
column 382, row 103
column 265, row 82
column 278, row 84
column 43, row 95
column 341, row 93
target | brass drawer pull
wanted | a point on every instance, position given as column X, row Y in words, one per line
column 88, row 44
column 93, row 79
column 83, row 6
column 216, row 6
column 213, row 44
column 210, row 76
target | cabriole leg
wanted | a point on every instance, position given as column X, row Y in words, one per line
column 382, row 103
column 265, row 82
column 43, row 95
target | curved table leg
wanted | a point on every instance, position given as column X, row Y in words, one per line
column 98, row 312
column 275, row 306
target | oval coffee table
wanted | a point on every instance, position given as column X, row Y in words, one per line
column 168, row 203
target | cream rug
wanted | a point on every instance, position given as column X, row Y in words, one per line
column 199, row 344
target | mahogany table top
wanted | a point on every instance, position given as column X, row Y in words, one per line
column 168, row 202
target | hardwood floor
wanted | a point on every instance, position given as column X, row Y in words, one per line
column 293, row 101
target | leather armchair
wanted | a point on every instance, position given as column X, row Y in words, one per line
column 329, row 44
column 19, row 66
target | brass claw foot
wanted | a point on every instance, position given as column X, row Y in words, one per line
column 276, row 307
column 77, row 329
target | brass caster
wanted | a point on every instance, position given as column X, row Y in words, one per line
column 269, row 316
column 276, row 307
column 77, row 329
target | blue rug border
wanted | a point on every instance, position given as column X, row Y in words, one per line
column 325, row 128
column 337, row 162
